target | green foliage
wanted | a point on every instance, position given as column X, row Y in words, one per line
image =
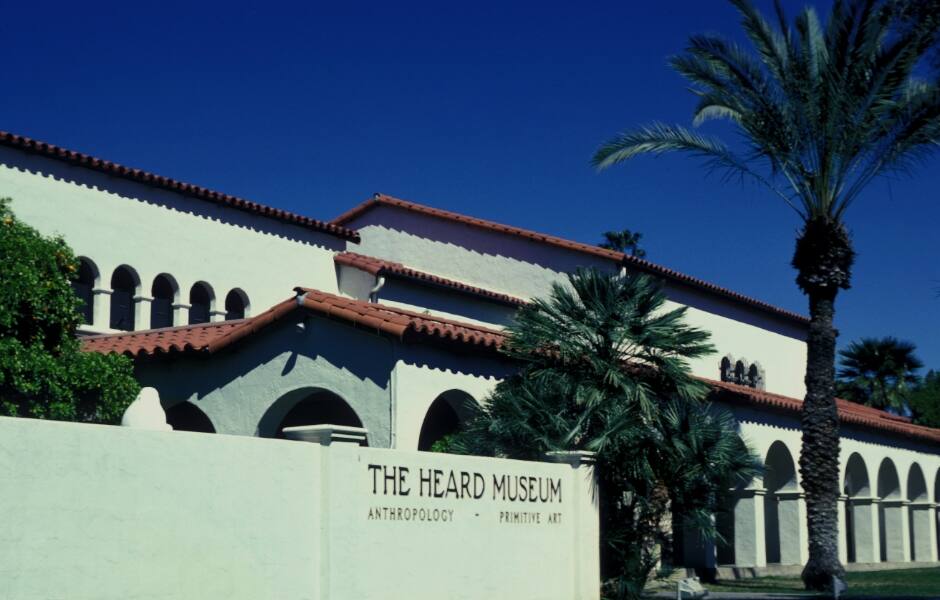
column 604, row 369
column 924, row 400
column 878, row 373
column 822, row 108
column 624, row 241
column 43, row 373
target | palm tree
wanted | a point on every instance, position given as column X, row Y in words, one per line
column 878, row 372
column 603, row 367
column 822, row 109
column 624, row 241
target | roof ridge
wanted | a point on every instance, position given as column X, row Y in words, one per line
column 187, row 189
column 618, row 257
column 376, row 266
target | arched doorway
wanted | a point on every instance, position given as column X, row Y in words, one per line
column 859, row 512
column 443, row 418
column 890, row 513
column 781, row 507
column 186, row 416
column 920, row 516
column 307, row 406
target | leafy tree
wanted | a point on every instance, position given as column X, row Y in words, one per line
column 603, row 368
column 878, row 372
column 43, row 372
column 624, row 241
column 822, row 109
column 924, row 400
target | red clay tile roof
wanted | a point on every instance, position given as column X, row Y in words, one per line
column 415, row 327
column 377, row 266
column 187, row 189
column 209, row 338
column 618, row 257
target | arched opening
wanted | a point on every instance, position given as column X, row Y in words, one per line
column 163, row 292
column 124, row 282
column 890, row 516
column 236, row 305
column 84, row 285
column 859, row 540
column 920, row 515
column 443, row 418
column 781, row 508
column 200, row 303
column 186, row 416
column 307, row 406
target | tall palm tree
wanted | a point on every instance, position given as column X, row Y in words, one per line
column 822, row 110
column 878, row 372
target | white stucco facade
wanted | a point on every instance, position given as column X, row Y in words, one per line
column 306, row 369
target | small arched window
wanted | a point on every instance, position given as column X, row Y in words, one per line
column 83, row 287
column 200, row 303
column 123, row 289
column 161, row 309
column 236, row 305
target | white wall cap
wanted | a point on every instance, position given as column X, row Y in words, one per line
column 574, row 458
column 327, row 434
column 146, row 412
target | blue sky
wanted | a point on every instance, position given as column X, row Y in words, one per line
column 491, row 109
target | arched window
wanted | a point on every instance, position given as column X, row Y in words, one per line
column 124, row 283
column 236, row 305
column 200, row 303
column 161, row 309
column 307, row 406
column 186, row 416
column 84, row 286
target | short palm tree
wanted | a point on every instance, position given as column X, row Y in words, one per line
column 624, row 241
column 822, row 110
column 603, row 368
column 879, row 372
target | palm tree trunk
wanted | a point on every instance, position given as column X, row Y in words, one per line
column 818, row 467
column 823, row 260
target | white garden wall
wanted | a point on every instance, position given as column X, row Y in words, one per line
column 98, row 512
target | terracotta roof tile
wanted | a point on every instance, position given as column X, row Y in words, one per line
column 618, row 257
column 415, row 327
column 377, row 266
column 116, row 170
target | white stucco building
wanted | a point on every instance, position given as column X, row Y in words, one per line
column 248, row 319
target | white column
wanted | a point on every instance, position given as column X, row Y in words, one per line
column 791, row 516
column 867, row 531
column 843, row 528
column 101, row 311
column 897, row 544
column 142, row 307
column 181, row 314
column 750, row 548
column 923, row 531
column 587, row 541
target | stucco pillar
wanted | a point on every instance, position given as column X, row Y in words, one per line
column 101, row 311
column 791, row 515
column 216, row 316
column 750, row 548
column 923, row 531
column 587, row 544
column 896, row 540
column 866, row 529
column 843, row 528
column 181, row 314
column 142, row 307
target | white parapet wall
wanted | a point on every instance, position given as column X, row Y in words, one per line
column 99, row 512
